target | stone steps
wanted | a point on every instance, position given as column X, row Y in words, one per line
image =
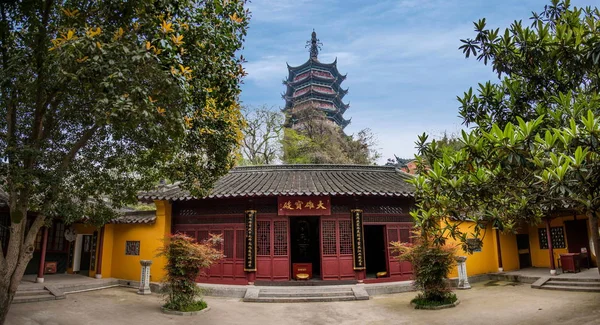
column 568, row 284
column 35, row 292
column 570, row 288
column 302, row 299
column 32, row 296
column 316, row 294
column 591, row 284
column 291, row 294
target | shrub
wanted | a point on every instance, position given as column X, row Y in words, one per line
column 185, row 261
column 431, row 264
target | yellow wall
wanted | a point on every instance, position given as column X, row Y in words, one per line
column 478, row 262
column 151, row 237
column 107, row 250
column 510, row 253
column 541, row 257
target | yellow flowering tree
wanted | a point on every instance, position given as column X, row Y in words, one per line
column 100, row 99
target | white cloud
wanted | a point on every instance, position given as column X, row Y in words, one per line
column 266, row 70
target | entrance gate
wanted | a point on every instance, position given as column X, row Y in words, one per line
column 336, row 248
column 272, row 250
column 399, row 270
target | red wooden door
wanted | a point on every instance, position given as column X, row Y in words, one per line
column 399, row 270
column 230, row 269
column 272, row 249
column 336, row 248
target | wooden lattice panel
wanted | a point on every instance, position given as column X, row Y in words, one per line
column 202, row 236
column 240, row 237
column 405, row 235
column 263, row 238
column 280, row 247
column 328, row 231
column 228, row 243
column 345, row 228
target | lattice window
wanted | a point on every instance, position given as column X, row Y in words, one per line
column 345, row 227
column 131, row 247
column 280, row 245
column 263, row 238
column 228, row 242
column 405, row 235
column 392, row 237
column 239, row 244
column 38, row 240
column 328, row 230
column 190, row 234
column 4, row 231
column 556, row 235
column 202, row 236
column 217, row 232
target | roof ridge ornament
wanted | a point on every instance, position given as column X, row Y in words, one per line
column 315, row 45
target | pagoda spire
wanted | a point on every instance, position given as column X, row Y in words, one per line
column 315, row 45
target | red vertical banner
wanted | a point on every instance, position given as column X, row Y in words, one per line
column 304, row 205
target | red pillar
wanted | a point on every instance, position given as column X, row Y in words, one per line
column 500, row 267
column 550, row 248
column 100, row 246
column 40, row 275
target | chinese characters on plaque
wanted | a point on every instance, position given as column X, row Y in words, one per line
column 304, row 206
column 250, row 221
column 357, row 236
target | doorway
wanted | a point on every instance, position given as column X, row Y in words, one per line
column 86, row 255
column 304, row 233
column 578, row 240
column 375, row 254
column 523, row 250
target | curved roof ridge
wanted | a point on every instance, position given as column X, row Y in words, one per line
column 288, row 167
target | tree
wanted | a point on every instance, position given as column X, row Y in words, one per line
column 100, row 99
column 185, row 261
column 262, row 136
column 316, row 140
column 533, row 150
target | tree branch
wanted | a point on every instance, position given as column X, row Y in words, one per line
column 87, row 135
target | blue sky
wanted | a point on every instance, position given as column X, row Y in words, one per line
column 402, row 59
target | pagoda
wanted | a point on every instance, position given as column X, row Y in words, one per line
column 315, row 84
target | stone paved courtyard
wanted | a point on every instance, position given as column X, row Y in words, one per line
column 490, row 302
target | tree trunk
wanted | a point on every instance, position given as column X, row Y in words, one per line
column 6, row 297
column 593, row 222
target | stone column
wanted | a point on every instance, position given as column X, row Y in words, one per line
column 145, row 278
column 463, row 280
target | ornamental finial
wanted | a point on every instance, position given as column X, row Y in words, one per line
column 315, row 45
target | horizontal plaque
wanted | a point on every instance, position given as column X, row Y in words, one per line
column 304, row 205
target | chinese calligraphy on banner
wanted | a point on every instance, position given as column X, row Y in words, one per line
column 304, row 205
column 250, row 260
column 357, row 236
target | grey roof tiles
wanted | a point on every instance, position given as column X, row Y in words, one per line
column 276, row 180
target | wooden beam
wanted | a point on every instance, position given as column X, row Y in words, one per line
column 100, row 248
column 40, row 275
column 550, row 248
column 500, row 267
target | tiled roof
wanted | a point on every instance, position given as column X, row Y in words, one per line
column 136, row 217
column 275, row 180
